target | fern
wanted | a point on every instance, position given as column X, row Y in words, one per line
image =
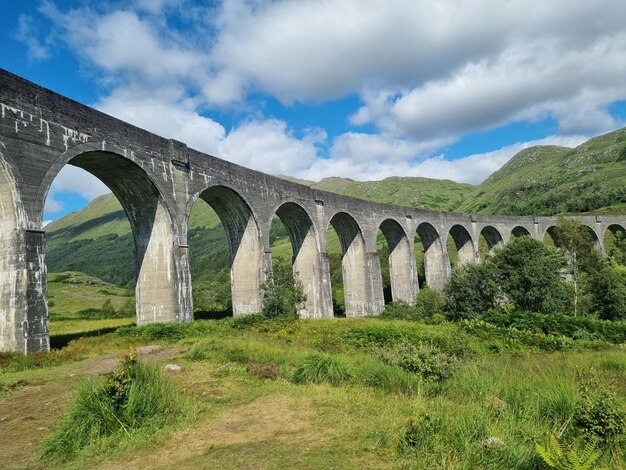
column 582, row 454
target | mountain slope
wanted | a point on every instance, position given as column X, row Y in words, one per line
column 549, row 180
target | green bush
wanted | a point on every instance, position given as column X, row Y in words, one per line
column 424, row 359
column 471, row 290
column 389, row 378
column 321, row 368
column 428, row 308
column 282, row 293
column 598, row 414
column 133, row 397
column 422, row 435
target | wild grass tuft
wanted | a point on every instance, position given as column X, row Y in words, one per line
column 135, row 397
column 322, row 368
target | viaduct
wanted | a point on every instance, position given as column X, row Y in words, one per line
column 157, row 181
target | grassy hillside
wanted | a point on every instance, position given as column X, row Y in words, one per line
column 550, row 180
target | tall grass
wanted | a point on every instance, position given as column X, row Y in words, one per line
column 321, row 368
column 134, row 398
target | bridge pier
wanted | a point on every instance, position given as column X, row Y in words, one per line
column 163, row 289
column 402, row 266
column 23, row 292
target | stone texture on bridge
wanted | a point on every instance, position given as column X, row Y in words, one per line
column 157, row 181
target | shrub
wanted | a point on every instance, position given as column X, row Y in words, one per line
column 428, row 304
column 424, row 359
column 598, row 414
column 471, row 290
column 389, row 378
column 282, row 294
column 134, row 396
column 263, row 370
column 320, row 368
column 421, row 435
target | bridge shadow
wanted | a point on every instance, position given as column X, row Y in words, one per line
column 61, row 341
column 212, row 314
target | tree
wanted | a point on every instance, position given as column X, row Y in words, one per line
column 575, row 240
column 282, row 294
column 471, row 290
column 608, row 289
column 528, row 273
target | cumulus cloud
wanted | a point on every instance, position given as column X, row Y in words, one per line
column 73, row 180
column 471, row 169
column 27, row 34
column 426, row 74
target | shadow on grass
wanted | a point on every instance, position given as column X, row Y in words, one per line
column 60, row 341
column 212, row 314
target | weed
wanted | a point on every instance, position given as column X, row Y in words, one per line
column 598, row 414
column 424, row 359
column 263, row 371
column 133, row 397
column 321, row 368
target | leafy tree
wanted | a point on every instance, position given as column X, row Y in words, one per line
column 471, row 290
column 282, row 294
column 618, row 250
column 608, row 291
column 582, row 256
column 528, row 273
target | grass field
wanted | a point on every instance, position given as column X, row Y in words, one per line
column 334, row 393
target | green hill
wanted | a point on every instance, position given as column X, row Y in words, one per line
column 550, row 180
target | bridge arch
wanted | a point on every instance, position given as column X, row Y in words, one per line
column 360, row 269
column 163, row 289
column 307, row 261
column 493, row 238
column 402, row 271
column 436, row 261
column 465, row 248
column 247, row 255
column 610, row 235
column 519, row 231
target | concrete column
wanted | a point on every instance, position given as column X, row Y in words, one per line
column 436, row 259
column 23, row 292
column 309, row 269
column 402, row 266
column 247, row 272
column 163, row 287
column 403, row 273
column 466, row 252
column 362, row 280
column 436, row 267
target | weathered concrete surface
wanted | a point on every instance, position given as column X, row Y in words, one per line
column 157, row 181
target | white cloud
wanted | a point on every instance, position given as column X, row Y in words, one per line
column 426, row 73
column 471, row 169
column 262, row 144
column 27, row 34
column 269, row 147
column 73, row 180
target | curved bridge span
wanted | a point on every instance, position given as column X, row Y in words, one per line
column 157, row 181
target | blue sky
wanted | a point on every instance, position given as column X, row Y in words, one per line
column 363, row 89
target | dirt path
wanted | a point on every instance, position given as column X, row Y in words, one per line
column 29, row 413
column 276, row 419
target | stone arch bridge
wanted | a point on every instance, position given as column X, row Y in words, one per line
column 157, row 181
